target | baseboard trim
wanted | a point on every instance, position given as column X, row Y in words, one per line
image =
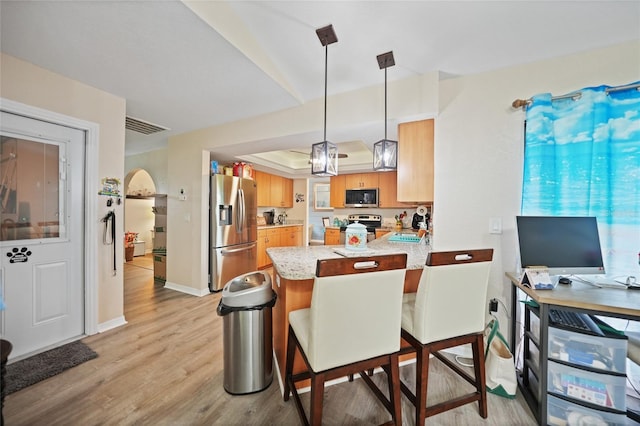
column 188, row 290
column 114, row 323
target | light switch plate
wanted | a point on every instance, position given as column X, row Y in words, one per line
column 495, row 225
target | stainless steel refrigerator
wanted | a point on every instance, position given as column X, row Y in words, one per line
column 233, row 229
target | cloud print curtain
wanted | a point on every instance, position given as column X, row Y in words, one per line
column 582, row 158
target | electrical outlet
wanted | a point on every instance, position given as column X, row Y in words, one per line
column 493, row 305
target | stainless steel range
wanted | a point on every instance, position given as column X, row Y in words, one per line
column 371, row 221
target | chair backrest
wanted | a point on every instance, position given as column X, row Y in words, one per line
column 452, row 295
column 356, row 309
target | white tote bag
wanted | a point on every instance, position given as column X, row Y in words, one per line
column 500, row 369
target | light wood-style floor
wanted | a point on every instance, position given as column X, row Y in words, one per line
column 165, row 367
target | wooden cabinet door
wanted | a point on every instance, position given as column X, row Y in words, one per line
column 332, row 236
column 387, row 194
column 287, row 193
column 285, row 236
column 298, row 238
column 353, row 181
column 263, row 259
column 291, row 236
column 276, row 191
column 415, row 161
column 387, row 189
column 337, row 188
column 263, row 182
column 369, row 180
column 381, row 232
column 267, row 238
column 361, row 180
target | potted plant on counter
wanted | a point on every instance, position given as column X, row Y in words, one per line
column 399, row 224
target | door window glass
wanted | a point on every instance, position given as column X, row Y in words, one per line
column 31, row 189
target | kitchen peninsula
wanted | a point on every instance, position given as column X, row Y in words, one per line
column 294, row 270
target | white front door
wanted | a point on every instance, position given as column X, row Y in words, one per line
column 42, row 233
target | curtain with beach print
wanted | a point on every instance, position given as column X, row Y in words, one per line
column 582, row 158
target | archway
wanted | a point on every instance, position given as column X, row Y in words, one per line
column 140, row 191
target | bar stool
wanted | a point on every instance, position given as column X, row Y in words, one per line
column 353, row 325
column 448, row 310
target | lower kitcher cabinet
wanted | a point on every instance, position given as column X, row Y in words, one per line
column 332, row 236
column 280, row 236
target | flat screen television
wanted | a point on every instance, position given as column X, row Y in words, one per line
column 565, row 244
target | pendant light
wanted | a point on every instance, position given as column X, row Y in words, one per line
column 385, row 151
column 324, row 155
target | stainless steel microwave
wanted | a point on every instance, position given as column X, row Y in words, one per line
column 361, row 197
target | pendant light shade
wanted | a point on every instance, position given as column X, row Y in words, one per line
column 324, row 155
column 324, row 159
column 385, row 155
column 385, row 151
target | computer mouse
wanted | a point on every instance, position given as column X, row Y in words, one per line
column 564, row 280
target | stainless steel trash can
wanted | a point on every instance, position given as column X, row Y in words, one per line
column 245, row 308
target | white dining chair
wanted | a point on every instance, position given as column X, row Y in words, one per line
column 352, row 325
column 448, row 310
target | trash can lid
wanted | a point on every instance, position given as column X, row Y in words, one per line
column 250, row 289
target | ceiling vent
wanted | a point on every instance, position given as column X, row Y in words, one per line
column 144, row 127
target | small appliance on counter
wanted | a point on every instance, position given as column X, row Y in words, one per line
column 269, row 216
column 421, row 216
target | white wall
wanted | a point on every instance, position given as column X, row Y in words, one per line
column 479, row 147
column 28, row 84
column 155, row 163
column 140, row 218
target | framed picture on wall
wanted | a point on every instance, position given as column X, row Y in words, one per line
column 321, row 196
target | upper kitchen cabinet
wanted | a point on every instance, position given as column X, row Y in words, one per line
column 388, row 190
column 274, row 191
column 287, row 193
column 263, row 182
column 281, row 192
column 337, row 188
column 361, row 180
column 415, row 161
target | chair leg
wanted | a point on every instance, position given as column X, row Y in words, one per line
column 481, row 384
column 422, row 379
column 317, row 394
column 292, row 342
column 395, row 397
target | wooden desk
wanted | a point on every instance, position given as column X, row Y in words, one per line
column 577, row 297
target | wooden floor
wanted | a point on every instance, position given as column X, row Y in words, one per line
column 164, row 367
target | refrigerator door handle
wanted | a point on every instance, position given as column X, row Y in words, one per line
column 241, row 211
column 236, row 250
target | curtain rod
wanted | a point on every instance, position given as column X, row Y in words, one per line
column 523, row 103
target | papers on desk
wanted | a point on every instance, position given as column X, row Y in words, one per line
column 537, row 277
column 601, row 281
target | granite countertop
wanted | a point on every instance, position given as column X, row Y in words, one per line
column 299, row 263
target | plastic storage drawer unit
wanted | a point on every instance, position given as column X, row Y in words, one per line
column 561, row 412
column 604, row 353
column 606, row 390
